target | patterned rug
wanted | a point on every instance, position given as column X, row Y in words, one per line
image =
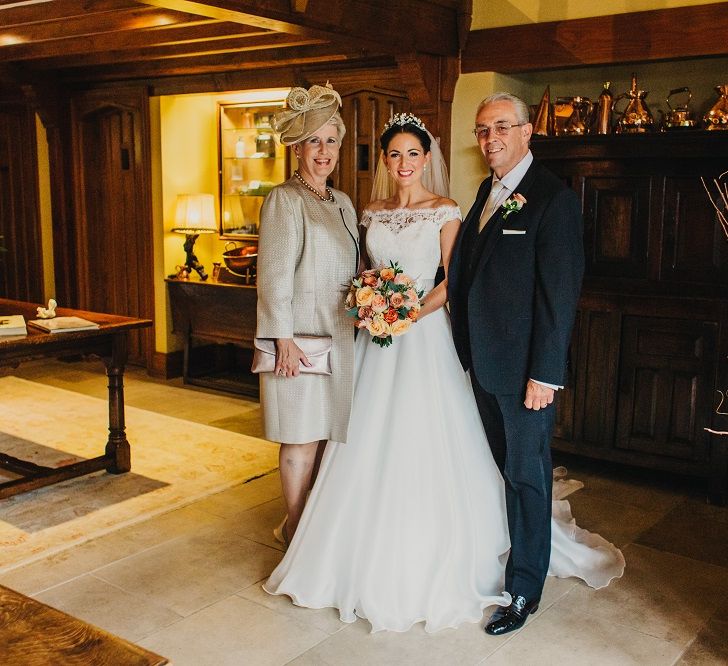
column 173, row 463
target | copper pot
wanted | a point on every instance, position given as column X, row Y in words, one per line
column 240, row 259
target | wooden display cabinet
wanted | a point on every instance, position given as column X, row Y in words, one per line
column 251, row 163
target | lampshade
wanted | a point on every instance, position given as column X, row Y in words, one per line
column 195, row 214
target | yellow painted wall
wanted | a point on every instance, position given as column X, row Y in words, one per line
column 185, row 161
column 498, row 13
column 467, row 166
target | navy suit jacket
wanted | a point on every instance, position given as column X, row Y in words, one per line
column 514, row 309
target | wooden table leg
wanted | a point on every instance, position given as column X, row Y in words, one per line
column 117, row 447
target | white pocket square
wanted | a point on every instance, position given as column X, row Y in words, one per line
column 514, row 231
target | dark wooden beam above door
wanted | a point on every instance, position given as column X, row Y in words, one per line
column 662, row 34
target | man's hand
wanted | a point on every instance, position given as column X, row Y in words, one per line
column 538, row 396
column 288, row 358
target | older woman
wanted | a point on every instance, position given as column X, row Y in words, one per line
column 307, row 252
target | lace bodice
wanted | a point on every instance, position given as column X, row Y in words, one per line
column 410, row 237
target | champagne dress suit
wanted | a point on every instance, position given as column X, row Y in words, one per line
column 513, row 290
column 307, row 254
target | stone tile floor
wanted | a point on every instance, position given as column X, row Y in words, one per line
column 187, row 584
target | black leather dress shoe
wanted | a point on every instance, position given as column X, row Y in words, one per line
column 511, row 618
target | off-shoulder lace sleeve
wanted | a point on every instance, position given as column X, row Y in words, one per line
column 444, row 214
column 366, row 219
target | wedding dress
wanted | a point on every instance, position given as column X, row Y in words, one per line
column 407, row 519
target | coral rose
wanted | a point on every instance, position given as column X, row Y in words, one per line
column 369, row 279
column 379, row 303
column 400, row 327
column 386, row 274
column 413, row 314
column 364, row 296
column 396, row 300
column 391, row 315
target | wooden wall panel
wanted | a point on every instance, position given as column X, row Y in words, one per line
column 21, row 267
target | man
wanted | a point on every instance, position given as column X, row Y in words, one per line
column 514, row 281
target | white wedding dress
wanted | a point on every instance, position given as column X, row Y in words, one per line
column 407, row 519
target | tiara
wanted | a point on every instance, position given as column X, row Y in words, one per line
column 402, row 119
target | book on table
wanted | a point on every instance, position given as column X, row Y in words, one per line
column 12, row 325
column 64, row 324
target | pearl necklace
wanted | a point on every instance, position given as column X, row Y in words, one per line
column 330, row 194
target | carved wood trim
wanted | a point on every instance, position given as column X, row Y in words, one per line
column 683, row 32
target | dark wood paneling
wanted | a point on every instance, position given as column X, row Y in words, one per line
column 21, row 266
column 660, row 34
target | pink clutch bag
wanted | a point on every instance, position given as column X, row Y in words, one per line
column 317, row 350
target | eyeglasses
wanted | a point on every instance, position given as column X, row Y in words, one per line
column 500, row 129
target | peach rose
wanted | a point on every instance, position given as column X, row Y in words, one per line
column 396, row 300
column 391, row 315
column 378, row 327
column 365, row 312
column 400, row 327
column 350, row 301
column 402, row 279
column 379, row 303
column 364, row 296
column 386, row 274
column 413, row 314
column 412, row 298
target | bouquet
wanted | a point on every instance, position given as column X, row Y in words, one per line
column 384, row 301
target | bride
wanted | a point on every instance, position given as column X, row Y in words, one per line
column 407, row 521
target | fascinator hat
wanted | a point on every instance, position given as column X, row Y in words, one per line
column 307, row 112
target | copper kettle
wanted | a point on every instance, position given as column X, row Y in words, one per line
column 636, row 116
column 678, row 117
column 717, row 117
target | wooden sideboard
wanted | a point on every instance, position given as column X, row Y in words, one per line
column 217, row 321
column 650, row 344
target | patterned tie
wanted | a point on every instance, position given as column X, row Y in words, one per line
column 498, row 192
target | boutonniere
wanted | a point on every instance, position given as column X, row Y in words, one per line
column 513, row 204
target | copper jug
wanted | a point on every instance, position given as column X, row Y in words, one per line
column 603, row 120
column 580, row 119
column 636, row 117
column 717, row 117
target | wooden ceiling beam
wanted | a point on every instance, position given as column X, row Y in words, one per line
column 186, row 50
column 108, row 22
column 267, row 58
column 661, row 34
column 14, row 13
column 402, row 27
column 207, row 31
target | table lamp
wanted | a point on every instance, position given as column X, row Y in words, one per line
column 194, row 215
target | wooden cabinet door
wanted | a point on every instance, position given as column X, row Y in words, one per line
column 694, row 249
column 665, row 382
column 616, row 225
column 595, row 399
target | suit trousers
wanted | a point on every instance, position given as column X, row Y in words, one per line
column 520, row 440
